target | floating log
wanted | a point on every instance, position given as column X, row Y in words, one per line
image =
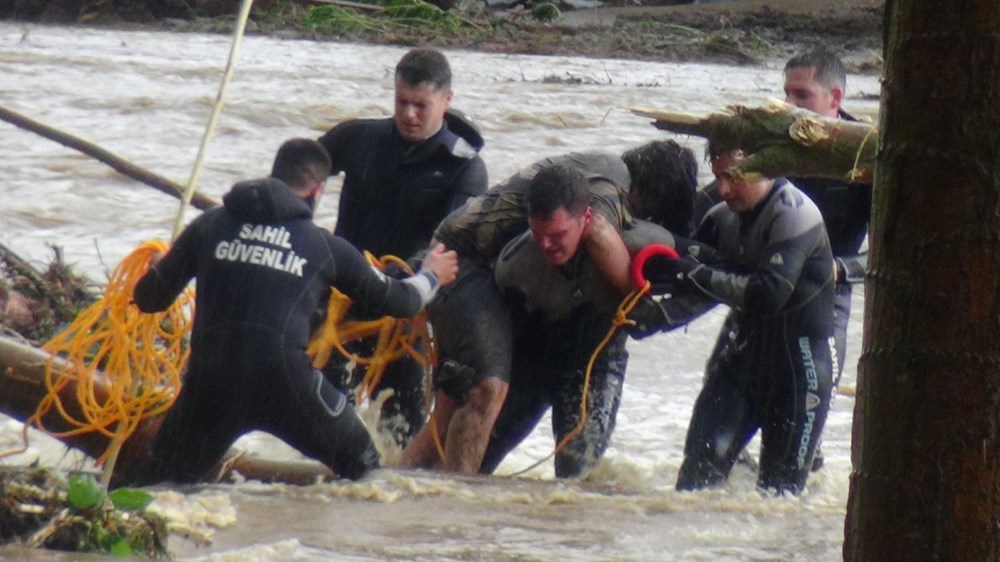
column 782, row 140
column 22, row 387
column 198, row 200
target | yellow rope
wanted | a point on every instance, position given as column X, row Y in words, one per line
column 621, row 319
column 855, row 174
column 141, row 357
column 396, row 338
column 141, row 354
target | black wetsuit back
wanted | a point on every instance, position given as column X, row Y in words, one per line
column 262, row 267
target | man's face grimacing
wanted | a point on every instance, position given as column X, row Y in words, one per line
column 559, row 235
column 420, row 110
column 802, row 90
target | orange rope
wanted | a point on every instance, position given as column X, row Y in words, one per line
column 621, row 319
column 111, row 346
column 396, row 337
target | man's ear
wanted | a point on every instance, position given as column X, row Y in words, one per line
column 836, row 96
column 317, row 189
column 588, row 214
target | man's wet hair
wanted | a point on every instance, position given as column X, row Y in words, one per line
column 558, row 186
column 830, row 71
column 716, row 148
column 424, row 66
column 664, row 177
column 300, row 163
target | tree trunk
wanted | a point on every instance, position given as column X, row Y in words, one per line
column 926, row 447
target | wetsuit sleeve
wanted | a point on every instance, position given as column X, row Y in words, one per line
column 698, row 251
column 769, row 287
column 335, row 141
column 158, row 288
column 470, row 182
column 854, row 268
column 374, row 291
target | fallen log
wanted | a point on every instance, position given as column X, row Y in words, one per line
column 22, row 387
column 198, row 200
column 782, row 140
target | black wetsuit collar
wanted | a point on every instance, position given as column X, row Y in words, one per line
column 457, row 137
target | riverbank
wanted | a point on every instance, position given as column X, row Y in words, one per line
column 734, row 32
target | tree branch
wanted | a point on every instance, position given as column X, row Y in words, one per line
column 121, row 165
column 781, row 140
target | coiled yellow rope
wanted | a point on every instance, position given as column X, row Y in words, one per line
column 140, row 355
column 397, row 337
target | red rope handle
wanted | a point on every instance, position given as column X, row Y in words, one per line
column 639, row 261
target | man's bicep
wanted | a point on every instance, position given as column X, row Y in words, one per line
column 606, row 247
column 165, row 280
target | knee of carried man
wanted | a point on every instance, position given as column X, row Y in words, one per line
column 487, row 395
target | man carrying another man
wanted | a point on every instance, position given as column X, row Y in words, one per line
column 471, row 322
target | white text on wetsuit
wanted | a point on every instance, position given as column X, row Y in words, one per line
column 243, row 251
column 812, row 384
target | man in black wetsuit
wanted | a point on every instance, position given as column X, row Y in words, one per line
column 816, row 80
column 262, row 267
column 771, row 368
column 402, row 176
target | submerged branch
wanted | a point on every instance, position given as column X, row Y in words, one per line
column 199, row 200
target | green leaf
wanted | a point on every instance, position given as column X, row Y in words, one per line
column 83, row 492
column 130, row 499
column 121, row 548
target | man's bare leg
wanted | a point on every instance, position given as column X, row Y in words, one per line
column 469, row 430
column 421, row 451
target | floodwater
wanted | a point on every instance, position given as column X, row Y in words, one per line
column 147, row 97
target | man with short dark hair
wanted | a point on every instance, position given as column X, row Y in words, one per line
column 402, row 176
column 555, row 294
column 262, row 267
column 564, row 305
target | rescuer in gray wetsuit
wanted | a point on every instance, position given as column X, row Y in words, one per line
column 771, row 368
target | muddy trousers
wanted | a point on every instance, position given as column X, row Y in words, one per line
column 533, row 390
column 775, row 382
